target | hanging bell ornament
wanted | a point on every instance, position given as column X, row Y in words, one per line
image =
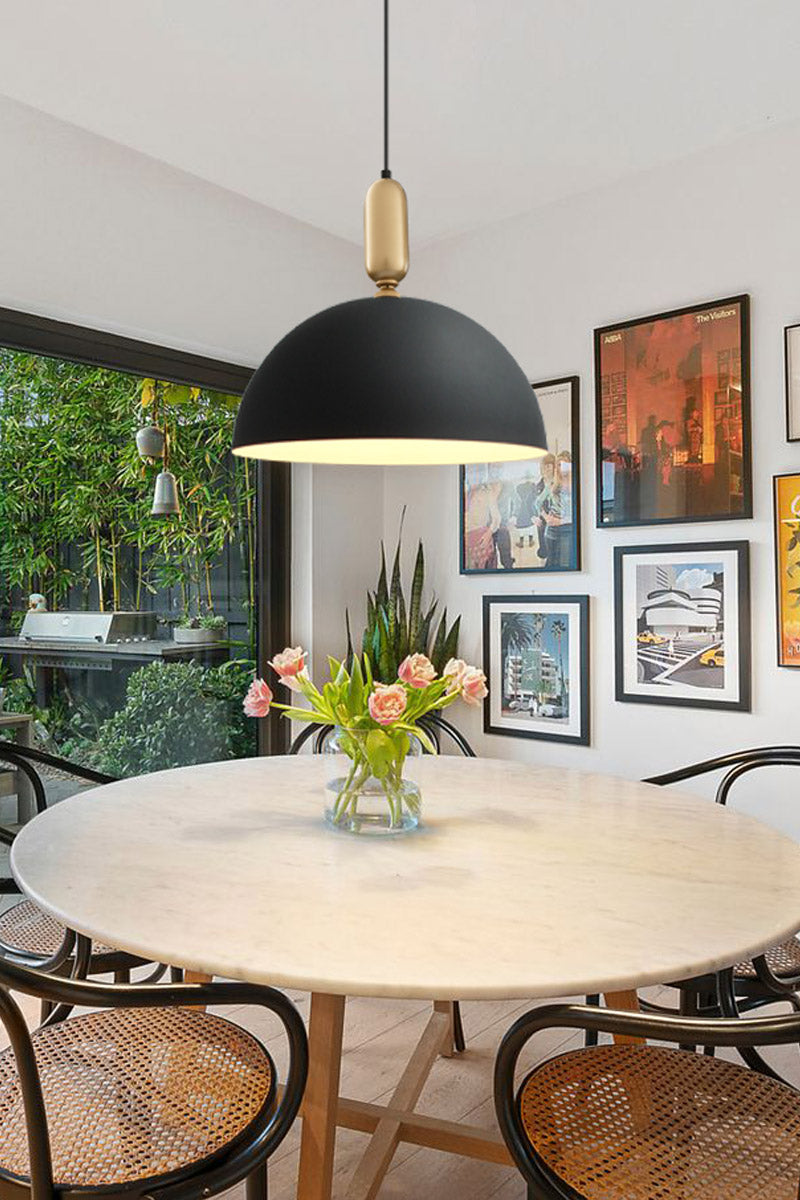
column 165, row 498
column 150, row 442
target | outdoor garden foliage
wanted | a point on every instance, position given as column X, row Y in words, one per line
column 175, row 714
column 75, row 519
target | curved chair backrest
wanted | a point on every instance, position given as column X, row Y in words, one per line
column 786, row 759
column 27, row 758
column 320, row 733
column 434, row 724
column 735, row 765
column 33, row 764
column 765, row 755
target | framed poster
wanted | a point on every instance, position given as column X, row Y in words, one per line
column 536, row 661
column 672, row 398
column 525, row 516
column 682, row 624
column 787, row 567
column 791, row 365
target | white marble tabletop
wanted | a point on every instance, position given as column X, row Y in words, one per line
column 524, row 882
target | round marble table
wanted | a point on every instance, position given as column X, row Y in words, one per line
column 525, row 882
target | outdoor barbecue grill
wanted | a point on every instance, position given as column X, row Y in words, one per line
column 95, row 641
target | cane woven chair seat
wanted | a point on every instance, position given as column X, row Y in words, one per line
column 783, row 961
column 136, row 1093
column 27, row 929
column 643, row 1123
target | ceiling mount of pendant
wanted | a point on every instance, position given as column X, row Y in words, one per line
column 386, row 235
column 386, row 206
column 411, row 383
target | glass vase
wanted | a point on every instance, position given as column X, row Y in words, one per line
column 357, row 802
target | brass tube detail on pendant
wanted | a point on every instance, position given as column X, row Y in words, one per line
column 386, row 234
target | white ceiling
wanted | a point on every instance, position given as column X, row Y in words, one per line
column 498, row 106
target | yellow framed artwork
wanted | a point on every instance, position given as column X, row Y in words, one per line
column 787, row 568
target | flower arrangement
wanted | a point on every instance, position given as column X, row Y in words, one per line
column 376, row 721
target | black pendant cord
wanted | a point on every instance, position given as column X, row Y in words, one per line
column 386, row 173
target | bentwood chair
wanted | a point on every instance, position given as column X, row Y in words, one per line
column 27, row 934
column 779, row 972
column 435, row 726
column 641, row 1122
column 774, row 976
column 146, row 1096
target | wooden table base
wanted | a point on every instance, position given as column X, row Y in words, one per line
column 389, row 1125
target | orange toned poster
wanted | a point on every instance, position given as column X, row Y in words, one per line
column 787, row 566
column 672, row 398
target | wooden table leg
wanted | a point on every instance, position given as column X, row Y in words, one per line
column 197, row 977
column 377, row 1157
column 321, row 1101
column 629, row 1001
column 26, row 799
column 641, row 1097
column 446, row 1007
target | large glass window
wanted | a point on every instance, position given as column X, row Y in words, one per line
column 127, row 638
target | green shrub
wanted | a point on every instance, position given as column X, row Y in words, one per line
column 177, row 714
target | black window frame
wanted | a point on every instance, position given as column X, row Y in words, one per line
column 61, row 339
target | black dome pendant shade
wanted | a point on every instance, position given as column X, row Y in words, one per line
column 388, row 380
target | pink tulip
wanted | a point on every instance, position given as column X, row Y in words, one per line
column 258, row 699
column 473, row 686
column 387, row 703
column 454, row 673
column 417, row 671
column 289, row 665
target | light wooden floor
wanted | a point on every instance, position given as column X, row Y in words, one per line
column 379, row 1035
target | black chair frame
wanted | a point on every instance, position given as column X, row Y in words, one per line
column 542, row 1183
column 118, row 962
column 433, row 723
column 246, row 1159
column 700, row 996
column 767, row 987
column 25, row 758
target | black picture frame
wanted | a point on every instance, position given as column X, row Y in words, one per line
column 777, row 521
column 741, row 550
column 573, row 381
column 581, row 604
column 792, row 429
column 603, row 520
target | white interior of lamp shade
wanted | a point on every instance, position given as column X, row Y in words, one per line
column 388, row 452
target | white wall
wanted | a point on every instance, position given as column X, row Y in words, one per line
column 715, row 225
column 96, row 234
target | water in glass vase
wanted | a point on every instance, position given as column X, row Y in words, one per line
column 370, row 792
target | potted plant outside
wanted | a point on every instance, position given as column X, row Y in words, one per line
column 200, row 631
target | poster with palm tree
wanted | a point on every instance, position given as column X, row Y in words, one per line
column 536, row 659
